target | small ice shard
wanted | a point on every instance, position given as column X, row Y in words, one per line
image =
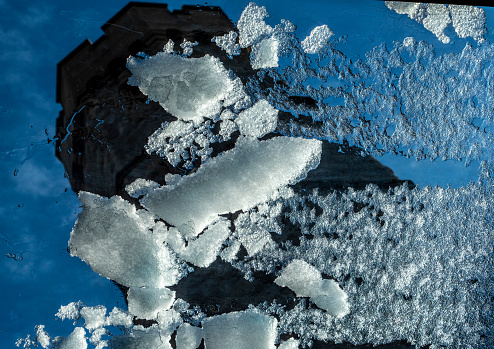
column 140, row 187
column 318, row 38
column 240, row 330
column 187, row 47
column 258, row 120
column 306, row 281
column 228, row 43
column 265, row 54
column 146, row 303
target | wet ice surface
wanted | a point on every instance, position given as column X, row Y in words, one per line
column 364, row 265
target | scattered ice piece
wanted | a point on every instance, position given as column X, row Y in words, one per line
column 318, row 38
column 187, row 47
column 95, row 338
column 168, row 48
column 168, row 321
column 228, row 43
column 229, row 253
column 140, row 187
column 142, row 338
column 188, row 336
column 188, row 88
column 70, row 311
column 292, row 343
column 240, row 330
column 42, row 337
column 469, row 21
column 258, row 120
column 94, row 317
column 146, row 303
column 115, row 240
column 119, row 317
column 235, row 180
column 251, row 25
column 204, row 250
column 256, row 240
column 306, row 281
column 408, row 41
column 227, row 127
column 76, row 340
column 265, row 54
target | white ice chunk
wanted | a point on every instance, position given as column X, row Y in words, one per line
column 95, row 338
column 70, row 311
column 292, row 343
column 119, row 317
column 94, row 317
column 75, row 340
column 229, row 254
column 146, row 303
column 140, row 187
column 187, row 47
column 306, row 281
column 168, row 48
column 265, row 54
column 240, row 330
column 437, row 20
column 204, row 250
column 42, row 337
column 255, row 241
column 235, row 180
column 227, row 127
column 188, row 88
column 318, row 38
column 469, row 21
column 258, row 120
column 251, row 25
column 414, row 10
column 115, row 240
column 188, row 336
column 228, row 43
column 142, row 339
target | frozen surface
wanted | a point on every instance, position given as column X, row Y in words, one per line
column 76, row 340
column 188, row 337
column 114, row 239
column 188, row 88
column 318, row 38
column 146, row 303
column 235, row 180
column 240, row 330
column 468, row 21
column 306, row 281
column 258, row 120
column 94, row 317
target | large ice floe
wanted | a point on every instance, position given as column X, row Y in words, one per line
column 365, row 266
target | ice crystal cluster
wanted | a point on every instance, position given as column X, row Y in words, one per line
column 365, row 266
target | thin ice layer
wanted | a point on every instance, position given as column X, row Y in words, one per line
column 258, row 120
column 235, row 180
column 146, row 303
column 188, row 88
column 318, row 38
column 306, row 281
column 240, row 330
column 114, row 239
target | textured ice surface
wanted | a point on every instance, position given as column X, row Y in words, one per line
column 142, row 338
column 76, row 340
column 289, row 344
column 188, row 337
column 251, row 25
column 140, row 187
column 318, row 38
column 258, row 120
column 188, row 88
column 265, row 54
column 146, row 303
column 235, row 180
column 42, row 336
column 468, row 21
column 115, row 240
column 306, row 281
column 94, row 317
column 228, row 42
column 70, row 311
column 240, row 330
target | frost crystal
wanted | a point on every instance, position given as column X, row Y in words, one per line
column 228, row 42
column 318, row 38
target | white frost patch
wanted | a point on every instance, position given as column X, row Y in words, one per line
column 251, row 25
column 235, row 180
column 187, row 47
column 42, row 337
column 146, row 303
column 119, row 317
column 70, row 311
column 169, row 46
column 306, row 281
column 466, row 20
column 141, row 187
column 228, row 43
column 265, row 54
column 258, row 120
column 94, row 317
column 204, row 250
column 76, row 340
column 229, row 253
column 188, row 337
column 115, row 240
column 290, row 344
column 240, row 330
column 95, row 338
column 188, row 88
column 318, row 38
